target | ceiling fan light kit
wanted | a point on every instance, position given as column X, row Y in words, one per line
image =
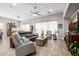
column 14, row 4
column 50, row 11
column 35, row 12
column 35, row 15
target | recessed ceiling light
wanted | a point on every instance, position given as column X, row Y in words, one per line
column 14, row 4
column 50, row 11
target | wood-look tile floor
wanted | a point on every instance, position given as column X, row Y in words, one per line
column 52, row 48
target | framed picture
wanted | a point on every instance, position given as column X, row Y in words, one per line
column 60, row 25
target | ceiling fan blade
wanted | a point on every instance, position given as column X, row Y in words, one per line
column 30, row 14
column 31, row 11
column 39, row 14
column 35, row 12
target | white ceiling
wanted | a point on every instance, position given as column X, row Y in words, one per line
column 23, row 9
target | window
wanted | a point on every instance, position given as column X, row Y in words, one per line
column 25, row 27
column 1, row 26
column 46, row 26
column 52, row 26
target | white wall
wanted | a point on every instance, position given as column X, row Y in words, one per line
column 61, row 30
column 58, row 17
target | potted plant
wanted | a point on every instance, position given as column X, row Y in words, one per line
column 73, row 48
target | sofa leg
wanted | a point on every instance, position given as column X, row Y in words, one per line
column 34, row 52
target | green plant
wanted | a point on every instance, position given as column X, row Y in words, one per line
column 73, row 51
column 73, row 48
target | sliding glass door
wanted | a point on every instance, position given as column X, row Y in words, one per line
column 46, row 26
column 25, row 27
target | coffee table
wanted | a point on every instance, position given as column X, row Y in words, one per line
column 41, row 41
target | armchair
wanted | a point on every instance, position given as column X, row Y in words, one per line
column 49, row 35
column 22, row 45
column 25, row 49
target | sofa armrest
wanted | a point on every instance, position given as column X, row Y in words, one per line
column 25, row 44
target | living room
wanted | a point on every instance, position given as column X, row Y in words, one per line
column 36, row 29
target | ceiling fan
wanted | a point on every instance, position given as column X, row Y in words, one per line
column 35, row 12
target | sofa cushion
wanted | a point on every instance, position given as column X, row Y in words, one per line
column 17, row 39
column 17, row 36
column 14, row 41
column 25, row 40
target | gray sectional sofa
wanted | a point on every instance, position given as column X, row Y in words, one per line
column 30, row 35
